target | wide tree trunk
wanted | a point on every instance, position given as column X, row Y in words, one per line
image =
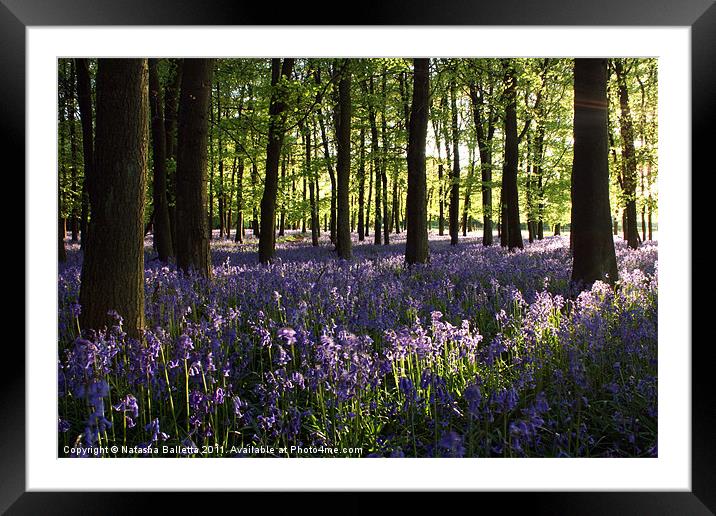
column 162, row 230
column 509, row 183
column 416, row 244
column 277, row 107
column 593, row 244
column 192, row 224
column 113, row 268
column 343, row 166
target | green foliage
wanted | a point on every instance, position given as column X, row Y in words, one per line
column 242, row 89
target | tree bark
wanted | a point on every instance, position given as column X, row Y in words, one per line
column 171, row 105
column 343, row 166
column 377, row 231
column 455, row 177
column 466, row 219
column 416, row 244
column 282, row 216
column 229, row 217
column 509, row 181
column 628, row 156
column 61, row 203
column 113, row 267
column 593, row 244
column 162, row 230
column 74, row 215
column 484, row 144
column 192, row 225
column 239, row 237
column 368, row 204
column 311, row 185
column 220, row 157
column 361, row 187
column 267, row 237
column 384, row 160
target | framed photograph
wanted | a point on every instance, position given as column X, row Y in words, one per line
column 657, row 465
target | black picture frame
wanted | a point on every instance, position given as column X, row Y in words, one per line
column 700, row 15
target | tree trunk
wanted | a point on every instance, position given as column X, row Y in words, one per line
column 254, row 212
column 303, row 209
column 171, row 105
column 239, row 237
column 628, row 156
column 211, row 167
column 229, row 218
column 309, row 174
column 267, row 238
column 368, row 204
column 529, row 190
column 75, row 216
column 361, row 187
column 282, row 216
column 113, row 266
column 593, row 252
column 466, row 225
column 416, row 244
column 484, row 144
column 377, row 231
column 511, row 200
column 539, row 150
column 220, row 157
column 343, row 166
column 84, row 99
column 61, row 204
column 192, row 225
column 455, row 177
column 331, row 175
column 384, row 160
column 162, row 230
column 441, row 200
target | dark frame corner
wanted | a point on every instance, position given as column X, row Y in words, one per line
column 700, row 15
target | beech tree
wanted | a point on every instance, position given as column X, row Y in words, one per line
column 192, row 226
column 162, row 230
column 343, row 230
column 113, row 267
column 628, row 179
column 267, row 236
column 416, row 244
column 593, row 245
column 510, row 223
